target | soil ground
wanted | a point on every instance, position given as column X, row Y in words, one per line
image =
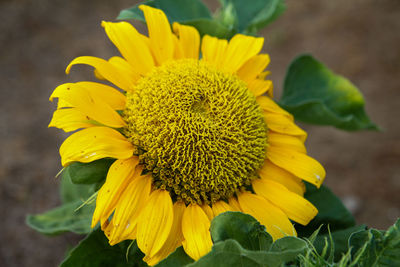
column 359, row 39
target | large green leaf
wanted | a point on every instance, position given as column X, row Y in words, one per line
column 314, row 94
column 88, row 173
column 63, row 219
column 94, row 251
column 230, row 253
column 176, row 10
column 331, row 211
column 376, row 248
column 247, row 17
column 243, row 228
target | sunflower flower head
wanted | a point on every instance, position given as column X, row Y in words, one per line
column 192, row 138
column 187, row 120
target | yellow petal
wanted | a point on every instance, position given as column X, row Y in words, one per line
column 281, row 124
column 298, row 164
column 240, row 49
column 233, row 202
column 195, row 229
column 286, row 141
column 69, row 119
column 105, row 69
column 178, row 50
column 62, row 104
column 272, row 172
column 175, row 238
column 275, row 220
column 93, row 107
column 253, row 67
column 259, row 87
column 213, row 49
column 107, row 228
column 264, row 74
column 220, row 207
column 95, row 143
column 131, row 45
column 161, row 41
column 269, row 105
column 129, row 206
column 209, row 212
column 296, row 207
column 155, row 222
column 114, row 98
column 189, row 40
column 124, row 67
column 119, row 176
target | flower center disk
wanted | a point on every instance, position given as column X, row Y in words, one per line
column 198, row 130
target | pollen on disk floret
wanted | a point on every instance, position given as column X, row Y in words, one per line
column 198, row 130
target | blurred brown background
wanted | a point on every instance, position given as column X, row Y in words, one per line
column 359, row 39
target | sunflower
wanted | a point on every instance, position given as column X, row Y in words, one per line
column 192, row 137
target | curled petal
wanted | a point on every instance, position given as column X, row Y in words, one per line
column 106, row 70
column 95, row 143
column 92, row 106
column 69, row 119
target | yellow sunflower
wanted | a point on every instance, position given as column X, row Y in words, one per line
column 193, row 136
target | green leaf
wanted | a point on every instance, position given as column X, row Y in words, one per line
column 331, row 211
column 176, row 10
column 71, row 192
column 211, row 27
column 230, row 253
column 88, row 173
column 316, row 95
column 376, row 248
column 94, row 251
column 241, row 227
column 176, row 258
column 249, row 18
column 62, row 219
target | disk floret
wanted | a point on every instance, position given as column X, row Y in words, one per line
column 198, row 130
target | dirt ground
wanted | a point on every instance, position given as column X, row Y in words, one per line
column 359, row 39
